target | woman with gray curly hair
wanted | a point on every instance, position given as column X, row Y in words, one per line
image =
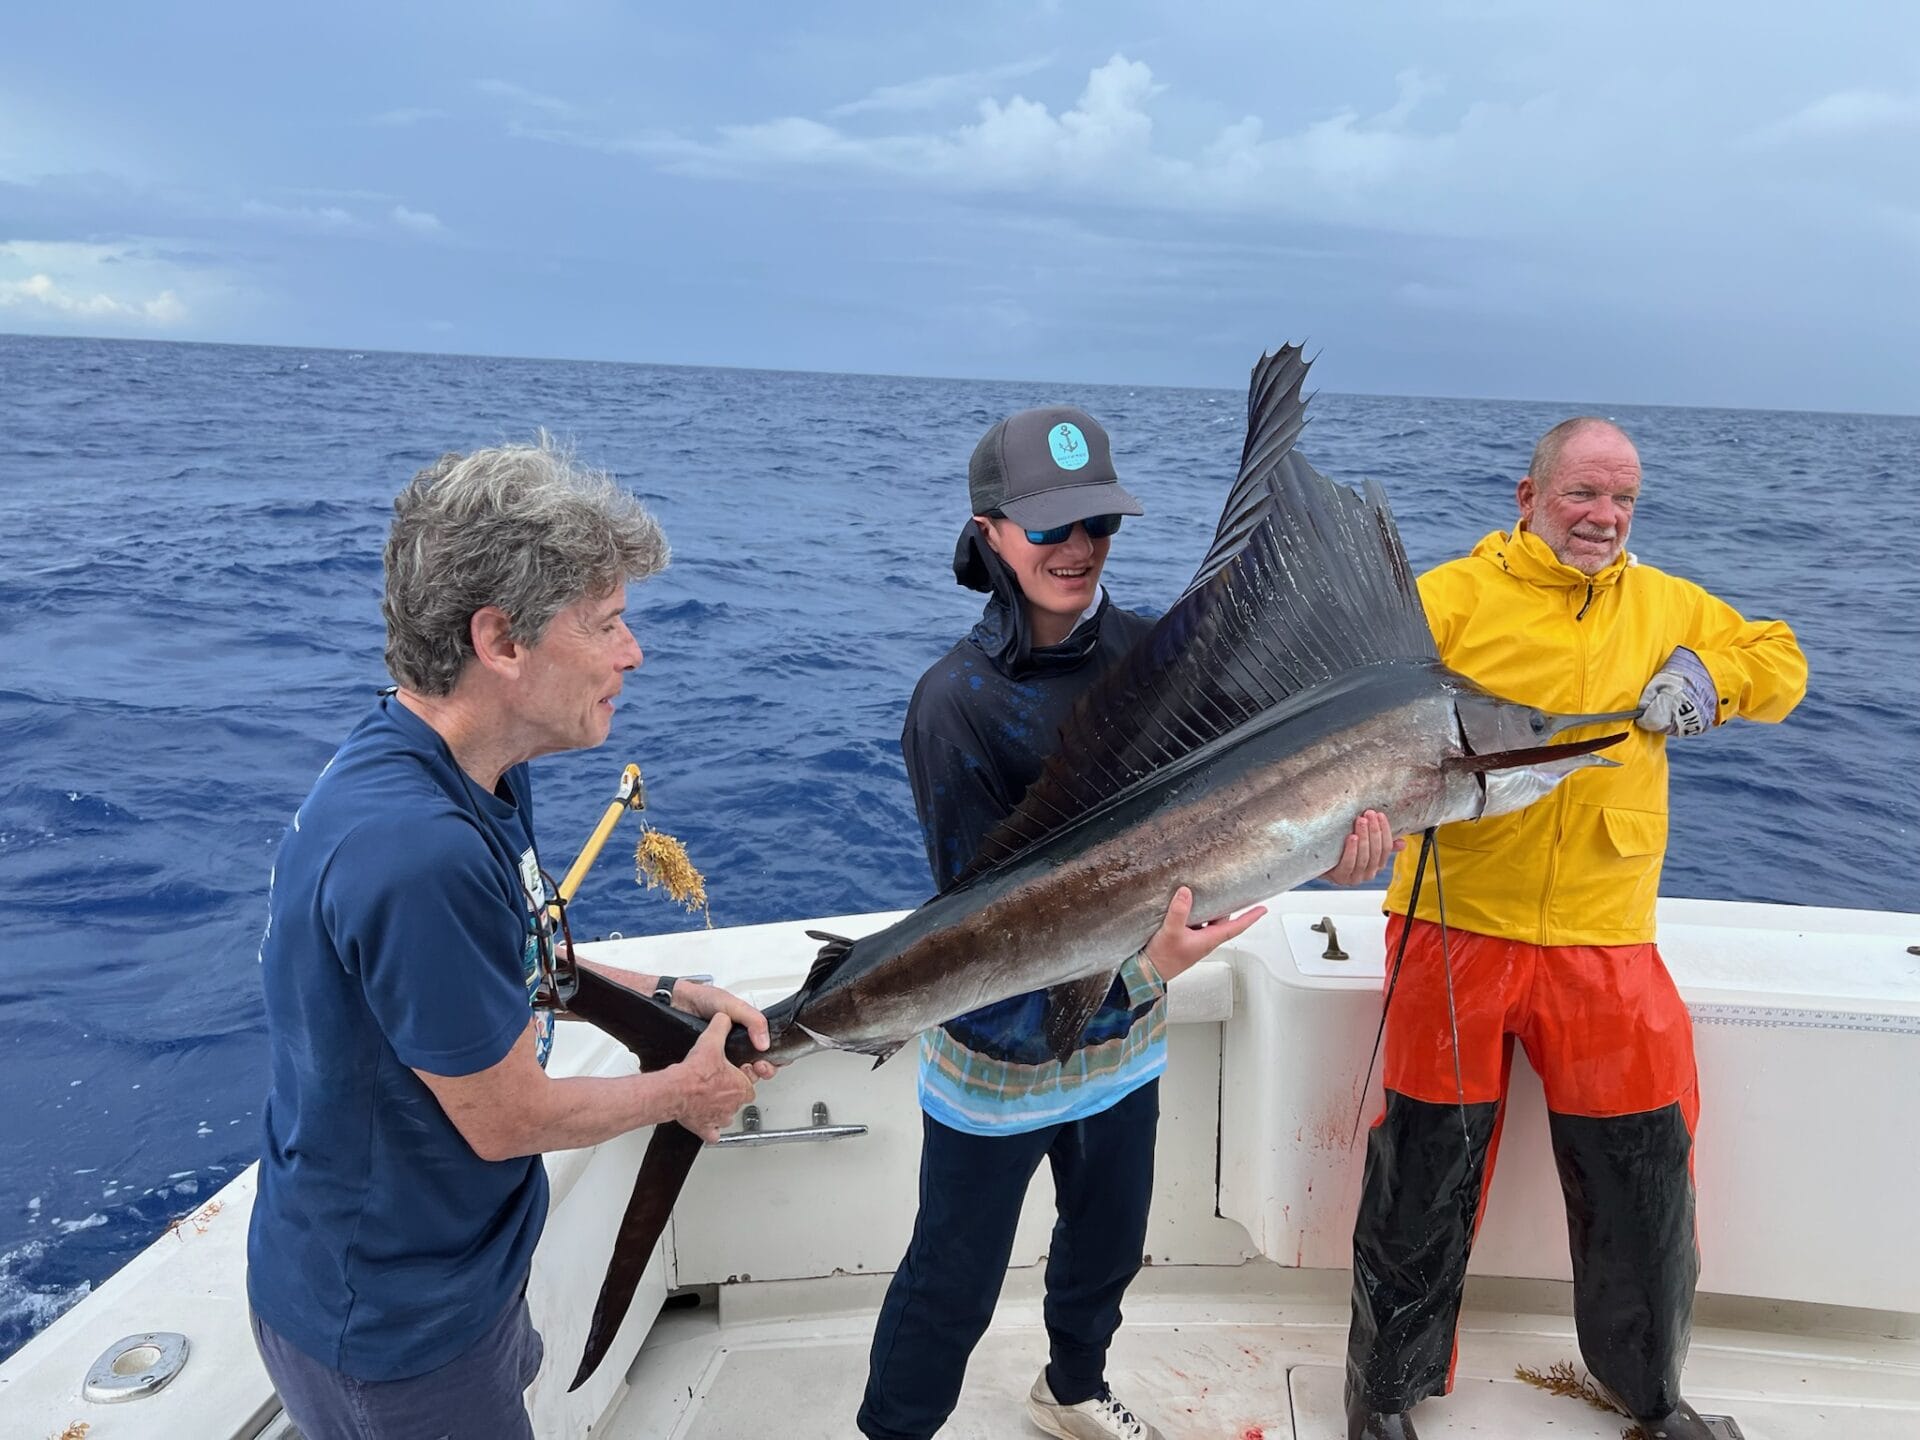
column 401, row 1191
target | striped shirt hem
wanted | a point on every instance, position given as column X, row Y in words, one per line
column 980, row 1095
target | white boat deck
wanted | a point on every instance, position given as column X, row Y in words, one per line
column 1808, row 1036
column 1253, row 1352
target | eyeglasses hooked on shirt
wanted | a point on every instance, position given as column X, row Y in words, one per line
column 559, row 973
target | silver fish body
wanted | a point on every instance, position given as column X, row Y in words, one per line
column 1253, row 814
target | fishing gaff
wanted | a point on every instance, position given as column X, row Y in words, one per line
column 630, row 794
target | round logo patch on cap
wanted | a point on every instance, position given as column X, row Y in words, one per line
column 1068, row 445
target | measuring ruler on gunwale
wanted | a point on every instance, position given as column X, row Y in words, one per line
column 1780, row 1017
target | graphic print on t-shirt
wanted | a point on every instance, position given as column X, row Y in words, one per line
column 535, row 886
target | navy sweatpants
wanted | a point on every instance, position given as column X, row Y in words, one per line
column 943, row 1294
column 477, row 1395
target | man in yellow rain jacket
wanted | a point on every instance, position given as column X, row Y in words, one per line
column 1550, row 915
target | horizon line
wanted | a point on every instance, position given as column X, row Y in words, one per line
column 916, row 375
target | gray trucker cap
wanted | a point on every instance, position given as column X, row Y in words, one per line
column 1047, row 467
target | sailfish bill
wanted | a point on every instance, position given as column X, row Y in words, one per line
column 1292, row 685
column 1538, row 755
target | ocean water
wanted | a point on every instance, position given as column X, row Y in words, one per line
column 189, row 623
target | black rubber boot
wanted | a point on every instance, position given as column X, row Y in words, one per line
column 1630, row 1226
column 1683, row 1422
column 1419, row 1202
column 1366, row 1424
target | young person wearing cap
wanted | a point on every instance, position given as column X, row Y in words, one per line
column 1046, row 505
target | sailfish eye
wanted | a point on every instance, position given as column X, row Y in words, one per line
column 1538, row 722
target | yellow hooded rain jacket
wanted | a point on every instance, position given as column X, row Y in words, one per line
column 1582, row 865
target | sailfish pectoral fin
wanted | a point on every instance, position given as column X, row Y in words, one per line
column 670, row 1156
column 1069, row 1008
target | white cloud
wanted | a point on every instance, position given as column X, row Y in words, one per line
column 39, row 295
column 417, row 222
column 1022, row 139
column 1016, row 143
column 528, row 99
column 136, row 286
column 1532, row 158
column 1842, row 114
column 1383, row 168
column 1345, row 152
column 792, row 141
column 1348, row 165
column 933, row 91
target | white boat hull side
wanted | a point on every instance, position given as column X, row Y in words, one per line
column 1806, row 1041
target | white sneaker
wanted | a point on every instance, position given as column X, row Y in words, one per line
column 1096, row 1419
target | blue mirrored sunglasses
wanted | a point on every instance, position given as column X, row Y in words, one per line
column 1098, row 528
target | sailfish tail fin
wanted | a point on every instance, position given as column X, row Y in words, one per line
column 670, row 1156
column 659, row 1036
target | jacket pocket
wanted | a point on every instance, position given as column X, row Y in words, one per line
column 1636, row 832
column 1489, row 833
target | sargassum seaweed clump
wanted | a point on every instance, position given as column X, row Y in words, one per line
column 661, row 863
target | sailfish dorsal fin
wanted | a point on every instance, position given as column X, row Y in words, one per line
column 1305, row 582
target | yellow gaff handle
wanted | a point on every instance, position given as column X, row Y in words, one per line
column 631, row 795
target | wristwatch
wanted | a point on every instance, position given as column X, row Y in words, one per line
column 663, row 988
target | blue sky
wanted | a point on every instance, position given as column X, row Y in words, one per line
column 1709, row 203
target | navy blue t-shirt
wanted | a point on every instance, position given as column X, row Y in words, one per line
column 399, row 938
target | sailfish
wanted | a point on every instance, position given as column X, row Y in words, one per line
column 1292, row 685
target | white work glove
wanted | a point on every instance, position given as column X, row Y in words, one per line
column 1680, row 698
